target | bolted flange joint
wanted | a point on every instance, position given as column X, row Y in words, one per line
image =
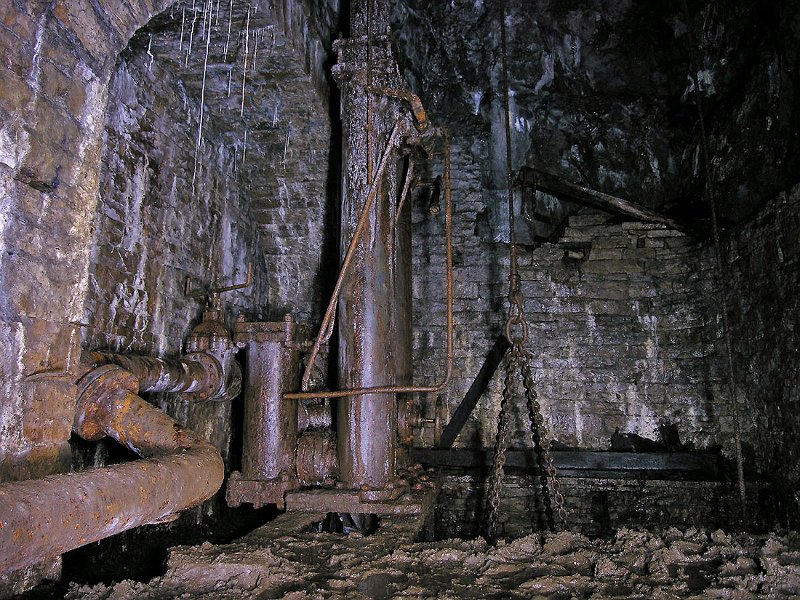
column 99, row 391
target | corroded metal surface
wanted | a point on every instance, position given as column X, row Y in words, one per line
column 400, row 317
column 352, row 501
column 367, row 425
column 46, row 517
column 258, row 492
column 270, row 422
column 162, row 374
column 316, row 458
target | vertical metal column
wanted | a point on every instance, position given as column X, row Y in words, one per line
column 367, row 425
column 270, row 422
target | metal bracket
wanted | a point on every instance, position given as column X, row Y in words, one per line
column 218, row 290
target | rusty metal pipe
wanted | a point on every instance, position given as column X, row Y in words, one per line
column 394, row 389
column 326, row 329
column 46, row 517
column 420, row 116
column 163, row 375
column 404, row 194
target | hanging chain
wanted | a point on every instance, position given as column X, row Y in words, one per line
column 541, row 439
column 518, row 359
column 501, row 443
column 723, row 282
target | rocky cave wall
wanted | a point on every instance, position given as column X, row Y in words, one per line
column 603, row 93
column 763, row 277
column 626, row 324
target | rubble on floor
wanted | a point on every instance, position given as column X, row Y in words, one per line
column 287, row 559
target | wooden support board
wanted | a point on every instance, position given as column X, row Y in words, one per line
column 572, row 192
column 655, row 465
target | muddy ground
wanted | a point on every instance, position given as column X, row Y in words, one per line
column 286, row 559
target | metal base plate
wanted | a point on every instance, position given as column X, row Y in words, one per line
column 258, row 493
column 351, row 501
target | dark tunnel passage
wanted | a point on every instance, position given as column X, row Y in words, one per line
column 464, row 298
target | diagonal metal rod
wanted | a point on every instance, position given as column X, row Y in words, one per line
column 474, row 393
column 326, row 329
column 395, row 389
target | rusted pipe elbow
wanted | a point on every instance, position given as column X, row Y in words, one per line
column 46, row 517
column 420, row 116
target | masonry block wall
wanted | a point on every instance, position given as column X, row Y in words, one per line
column 626, row 333
column 622, row 337
column 93, row 197
column 182, row 200
column 595, row 505
column 56, row 62
column 159, row 222
column 57, row 65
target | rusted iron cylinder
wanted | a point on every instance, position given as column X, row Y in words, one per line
column 164, row 375
column 403, row 334
column 316, row 458
column 366, row 425
column 314, row 416
column 46, row 517
column 270, row 422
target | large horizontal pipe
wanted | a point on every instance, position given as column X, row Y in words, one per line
column 162, row 374
column 46, row 517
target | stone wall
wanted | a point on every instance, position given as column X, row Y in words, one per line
column 183, row 202
column 57, row 59
column 160, row 221
column 77, row 273
column 762, row 271
column 621, row 332
column 155, row 227
column 596, row 505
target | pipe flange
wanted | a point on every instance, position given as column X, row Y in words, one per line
column 213, row 381
column 97, row 391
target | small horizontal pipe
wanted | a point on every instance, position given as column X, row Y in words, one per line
column 161, row 374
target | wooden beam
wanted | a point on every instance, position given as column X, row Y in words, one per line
column 572, row 192
column 655, row 465
column 474, row 393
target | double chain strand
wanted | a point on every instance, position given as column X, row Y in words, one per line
column 518, row 363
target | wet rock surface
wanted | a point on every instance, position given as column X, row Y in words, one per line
column 604, row 93
column 284, row 560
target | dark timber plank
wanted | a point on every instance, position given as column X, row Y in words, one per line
column 474, row 393
column 551, row 184
column 707, row 465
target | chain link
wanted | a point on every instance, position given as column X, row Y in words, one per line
column 499, row 460
column 518, row 361
column 541, row 434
